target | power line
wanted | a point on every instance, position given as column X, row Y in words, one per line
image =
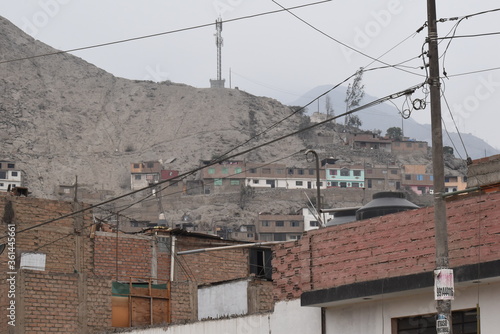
column 160, row 33
column 469, row 36
column 342, row 43
column 468, row 16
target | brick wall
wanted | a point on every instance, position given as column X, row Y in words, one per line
column 210, row 267
column 66, row 297
column 388, row 246
column 134, row 256
column 184, row 303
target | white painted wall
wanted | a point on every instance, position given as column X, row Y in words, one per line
column 288, row 317
column 375, row 316
column 221, row 300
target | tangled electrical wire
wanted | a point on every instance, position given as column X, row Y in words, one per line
column 409, row 105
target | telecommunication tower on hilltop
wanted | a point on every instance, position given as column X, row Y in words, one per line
column 219, row 82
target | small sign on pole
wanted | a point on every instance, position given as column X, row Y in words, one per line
column 442, row 324
column 444, row 288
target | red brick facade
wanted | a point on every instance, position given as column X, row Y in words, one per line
column 66, row 297
column 388, row 246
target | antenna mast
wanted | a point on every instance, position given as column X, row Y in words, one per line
column 219, row 82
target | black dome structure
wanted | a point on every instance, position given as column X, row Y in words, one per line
column 384, row 203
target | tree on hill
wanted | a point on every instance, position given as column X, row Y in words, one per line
column 354, row 94
column 395, row 133
column 354, row 121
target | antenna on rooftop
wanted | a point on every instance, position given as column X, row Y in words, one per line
column 219, row 82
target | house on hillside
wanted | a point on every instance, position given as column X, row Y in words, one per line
column 271, row 227
column 143, row 174
column 345, row 176
column 369, row 141
column 226, row 176
column 416, row 178
column 383, row 177
column 10, row 176
column 410, row 147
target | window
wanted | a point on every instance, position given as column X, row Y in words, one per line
column 420, row 177
column 279, row 171
column 408, row 177
column 280, row 223
column 343, row 185
column 260, row 263
column 136, row 165
column 369, row 171
column 313, row 223
column 14, row 173
column 355, row 185
column 369, row 183
column 253, row 170
column 3, row 175
column 344, row 172
column 332, row 171
column 138, row 176
column 217, row 182
column 335, row 184
column 237, row 170
column 298, row 183
column 294, row 223
column 431, row 177
column 211, row 171
column 249, row 235
column 150, row 165
column 464, row 321
column 356, row 172
column 290, row 171
column 11, row 165
column 266, row 170
column 255, row 181
column 300, row 172
column 225, row 170
column 234, row 182
column 394, row 171
column 265, row 223
column 311, row 171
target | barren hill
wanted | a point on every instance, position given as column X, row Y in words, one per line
column 61, row 117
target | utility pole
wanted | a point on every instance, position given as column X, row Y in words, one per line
column 443, row 305
column 318, row 194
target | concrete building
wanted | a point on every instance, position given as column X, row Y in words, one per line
column 143, row 174
column 409, row 147
column 345, row 176
column 227, row 176
column 10, row 176
column 417, row 179
column 383, row 177
column 279, row 227
column 369, row 141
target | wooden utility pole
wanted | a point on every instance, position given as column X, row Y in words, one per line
column 443, row 307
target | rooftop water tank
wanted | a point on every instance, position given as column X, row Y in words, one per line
column 385, row 203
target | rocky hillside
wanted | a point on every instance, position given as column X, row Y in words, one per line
column 61, row 117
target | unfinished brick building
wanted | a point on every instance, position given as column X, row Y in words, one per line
column 70, row 277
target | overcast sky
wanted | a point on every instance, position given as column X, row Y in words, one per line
column 277, row 55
